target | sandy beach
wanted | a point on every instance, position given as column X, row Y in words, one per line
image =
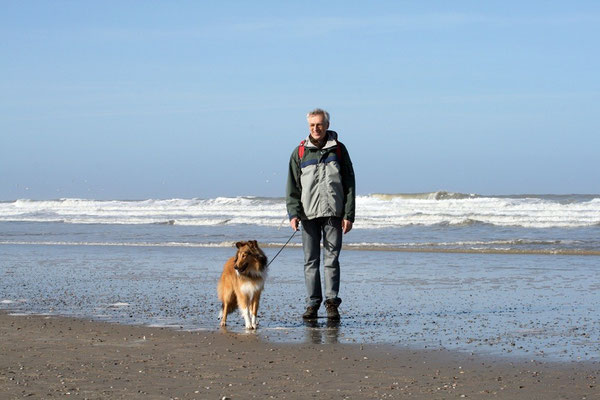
column 50, row 357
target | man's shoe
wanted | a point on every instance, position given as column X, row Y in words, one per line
column 311, row 312
column 332, row 312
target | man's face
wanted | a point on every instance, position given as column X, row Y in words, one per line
column 317, row 126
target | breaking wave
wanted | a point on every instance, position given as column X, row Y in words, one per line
column 376, row 211
column 439, row 195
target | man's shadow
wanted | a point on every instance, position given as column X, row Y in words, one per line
column 322, row 332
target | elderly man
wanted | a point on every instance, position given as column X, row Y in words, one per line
column 321, row 194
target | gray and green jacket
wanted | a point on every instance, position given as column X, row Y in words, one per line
column 321, row 185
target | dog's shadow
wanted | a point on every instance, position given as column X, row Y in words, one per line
column 322, row 332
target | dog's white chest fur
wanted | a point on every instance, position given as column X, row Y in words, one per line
column 250, row 287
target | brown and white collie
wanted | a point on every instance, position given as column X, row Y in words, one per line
column 242, row 282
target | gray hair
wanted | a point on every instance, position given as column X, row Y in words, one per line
column 319, row 111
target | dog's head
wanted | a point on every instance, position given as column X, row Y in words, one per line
column 249, row 259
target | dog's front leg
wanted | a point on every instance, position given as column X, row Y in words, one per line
column 246, row 315
column 244, row 306
column 254, row 310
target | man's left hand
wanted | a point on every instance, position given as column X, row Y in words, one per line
column 346, row 226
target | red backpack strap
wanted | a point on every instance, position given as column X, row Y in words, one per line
column 301, row 149
column 338, row 150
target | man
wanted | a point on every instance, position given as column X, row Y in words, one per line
column 320, row 193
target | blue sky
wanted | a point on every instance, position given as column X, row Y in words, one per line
column 135, row 100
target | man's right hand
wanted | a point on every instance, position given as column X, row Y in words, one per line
column 295, row 223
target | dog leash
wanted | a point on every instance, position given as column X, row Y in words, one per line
column 286, row 243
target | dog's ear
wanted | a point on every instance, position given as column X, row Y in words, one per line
column 239, row 244
column 254, row 243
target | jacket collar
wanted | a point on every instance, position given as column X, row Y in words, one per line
column 331, row 141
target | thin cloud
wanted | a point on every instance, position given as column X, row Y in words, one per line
column 311, row 26
column 402, row 22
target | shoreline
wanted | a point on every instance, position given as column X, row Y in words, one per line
column 345, row 247
column 47, row 356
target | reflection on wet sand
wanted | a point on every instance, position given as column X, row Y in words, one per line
column 319, row 332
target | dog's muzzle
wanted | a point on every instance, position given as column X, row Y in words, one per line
column 240, row 268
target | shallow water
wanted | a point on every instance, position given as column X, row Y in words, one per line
column 537, row 306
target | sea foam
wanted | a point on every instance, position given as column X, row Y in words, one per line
column 374, row 211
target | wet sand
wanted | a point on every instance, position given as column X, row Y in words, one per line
column 50, row 357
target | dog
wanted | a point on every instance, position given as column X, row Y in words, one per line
column 242, row 283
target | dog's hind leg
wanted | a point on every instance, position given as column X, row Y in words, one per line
column 223, row 315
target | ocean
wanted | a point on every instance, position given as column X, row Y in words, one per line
column 514, row 275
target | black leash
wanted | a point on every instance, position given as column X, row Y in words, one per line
column 286, row 243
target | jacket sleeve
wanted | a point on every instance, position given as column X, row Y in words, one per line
column 293, row 189
column 349, row 183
